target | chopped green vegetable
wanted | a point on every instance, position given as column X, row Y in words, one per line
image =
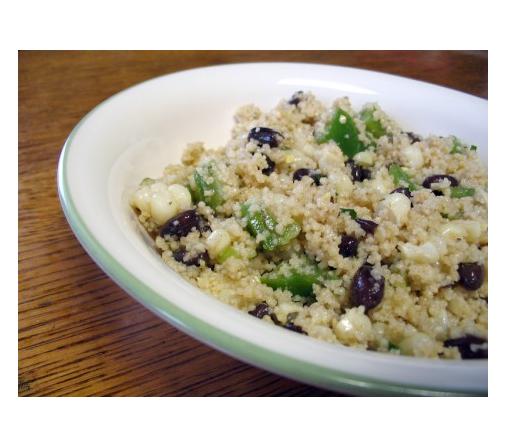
column 207, row 188
column 457, row 192
column 457, row 216
column 459, row 147
column 261, row 222
column 225, row 254
column 351, row 212
column 399, row 176
column 147, row 181
column 373, row 126
column 298, row 280
column 289, row 233
column 342, row 130
column 297, row 283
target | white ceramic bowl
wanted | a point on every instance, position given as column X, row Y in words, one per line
column 137, row 132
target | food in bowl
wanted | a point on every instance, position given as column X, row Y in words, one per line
column 333, row 223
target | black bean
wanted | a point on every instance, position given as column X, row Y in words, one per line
column 204, row 256
column 465, row 348
column 471, row 275
column 289, row 325
column 359, row 173
column 264, row 135
column 271, row 166
column 294, row 328
column 274, row 319
column 366, row 290
column 403, row 190
column 260, row 310
column 301, row 172
column 183, row 223
column 203, row 225
column 296, row 98
column 181, row 253
column 368, row 226
column 413, row 137
column 428, row 181
column 348, row 246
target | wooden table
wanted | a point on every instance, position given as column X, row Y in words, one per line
column 79, row 333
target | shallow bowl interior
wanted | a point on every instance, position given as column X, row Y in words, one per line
column 137, row 132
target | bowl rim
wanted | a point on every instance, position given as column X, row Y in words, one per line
column 206, row 333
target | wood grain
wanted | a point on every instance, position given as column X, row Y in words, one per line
column 79, row 333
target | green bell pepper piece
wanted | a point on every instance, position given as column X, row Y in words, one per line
column 399, row 176
column 461, row 148
column 351, row 212
column 373, row 126
column 262, row 222
column 208, row 188
column 225, row 254
column 299, row 281
column 457, row 192
column 342, row 130
column 457, row 147
column 289, row 233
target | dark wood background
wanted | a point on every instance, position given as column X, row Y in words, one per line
column 79, row 333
